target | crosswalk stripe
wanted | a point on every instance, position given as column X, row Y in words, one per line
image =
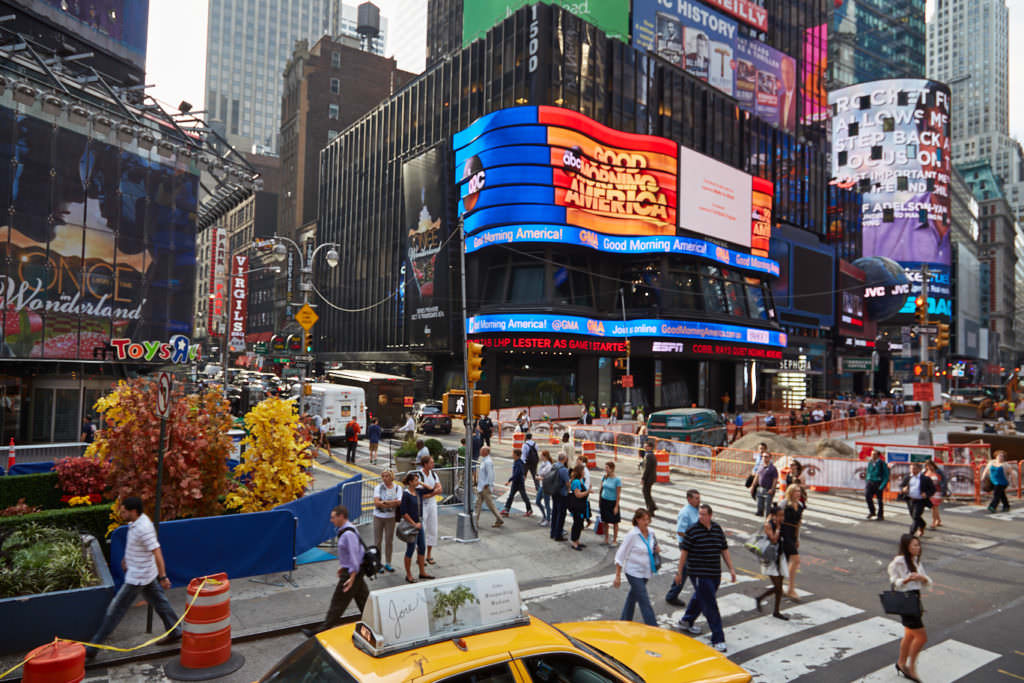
column 566, row 587
column 801, row 658
column 755, row 632
column 1013, row 514
column 948, row 661
column 729, row 605
column 742, row 505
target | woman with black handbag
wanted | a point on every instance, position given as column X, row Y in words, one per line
column 907, row 575
column 772, row 564
column 412, row 520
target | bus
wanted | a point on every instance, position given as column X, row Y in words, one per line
column 340, row 404
column 388, row 397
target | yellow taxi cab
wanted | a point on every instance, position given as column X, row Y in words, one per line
column 473, row 629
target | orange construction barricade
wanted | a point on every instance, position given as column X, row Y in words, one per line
column 56, row 662
column 206, row 633
column 663, row 473
column 590, row 454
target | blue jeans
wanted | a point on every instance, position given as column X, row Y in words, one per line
column 125, row 597
column 704, row 601
column 543, row 503
column 419, row 546
column 638, row 596
column 676, row 588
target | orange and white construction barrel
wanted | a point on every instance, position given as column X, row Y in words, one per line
column 661, row 456
column 590, row 453
column 56, row 662
column 206, row 633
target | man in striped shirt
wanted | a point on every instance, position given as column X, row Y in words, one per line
column 144, row 572
column 701, row 552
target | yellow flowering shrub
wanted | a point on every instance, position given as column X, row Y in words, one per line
column 277, row 460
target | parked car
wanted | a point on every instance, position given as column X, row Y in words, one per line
column 430, row 418
column 697, row 425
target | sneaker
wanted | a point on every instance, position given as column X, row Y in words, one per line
column 543, row 522
column 675, row 601
column 871, row 516
column 389, row 568
column 720, row 646
column 504, row 513
column 497, row 524
column 690, row 628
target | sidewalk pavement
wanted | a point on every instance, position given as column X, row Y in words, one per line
column 275, row 606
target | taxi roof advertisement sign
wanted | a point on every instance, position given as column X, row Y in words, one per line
column 549, row 174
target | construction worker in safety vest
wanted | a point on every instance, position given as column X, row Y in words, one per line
column 604, row 410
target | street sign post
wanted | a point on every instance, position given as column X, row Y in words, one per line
column 927, row 329
column 164, row 383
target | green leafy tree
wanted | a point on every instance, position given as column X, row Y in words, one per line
column 448, row 602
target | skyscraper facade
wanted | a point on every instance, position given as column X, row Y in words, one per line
column 248, row 43
column 968, row 48
column 871, row 40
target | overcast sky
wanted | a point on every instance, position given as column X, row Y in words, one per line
column 177, row 54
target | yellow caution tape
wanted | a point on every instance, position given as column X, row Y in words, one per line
column 149, row 642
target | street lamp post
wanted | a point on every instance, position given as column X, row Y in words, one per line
column 306, row 271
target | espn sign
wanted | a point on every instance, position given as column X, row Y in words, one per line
column 239, row 301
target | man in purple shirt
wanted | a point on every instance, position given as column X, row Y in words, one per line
column 351, row 583
column 767, row 480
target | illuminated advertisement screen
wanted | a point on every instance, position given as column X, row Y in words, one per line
column 98, row 242
column 761, row 200
column 125, row 22
column 666, row 329
column 426, row 255
column 815, row 66
column 706, row 43
column 890, row 141
column 546, row 174
column 479, row 16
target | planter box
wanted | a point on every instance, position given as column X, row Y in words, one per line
column 74, row 614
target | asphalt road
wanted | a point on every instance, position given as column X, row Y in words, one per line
column 838, row 632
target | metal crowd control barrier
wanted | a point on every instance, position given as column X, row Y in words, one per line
column 451, row 495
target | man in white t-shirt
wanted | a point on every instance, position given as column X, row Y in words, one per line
column 144, row 572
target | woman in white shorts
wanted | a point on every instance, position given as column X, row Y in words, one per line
column 429, row 490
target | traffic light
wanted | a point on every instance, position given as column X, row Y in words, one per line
column 627, row 347
column 924, row 371
column 921, row 308
column 474, row 361
column 308, row 343
column 942, row 338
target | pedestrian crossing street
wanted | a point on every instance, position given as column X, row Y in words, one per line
column 1016, row 512
column 774, row 651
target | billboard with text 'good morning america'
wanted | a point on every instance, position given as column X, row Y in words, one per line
column 546, row 174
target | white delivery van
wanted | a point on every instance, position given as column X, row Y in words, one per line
column 339, row 403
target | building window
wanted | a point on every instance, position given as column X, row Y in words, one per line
column 335, row 86
column 332, row 112
column 335, row 59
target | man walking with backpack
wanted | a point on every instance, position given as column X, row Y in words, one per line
column 556, row 484
column 351, row 440
column 351, row 582
column 531, row 458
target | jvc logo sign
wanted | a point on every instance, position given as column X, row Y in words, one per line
column 870, row 292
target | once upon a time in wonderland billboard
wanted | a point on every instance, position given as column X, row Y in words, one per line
column 98, row 242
